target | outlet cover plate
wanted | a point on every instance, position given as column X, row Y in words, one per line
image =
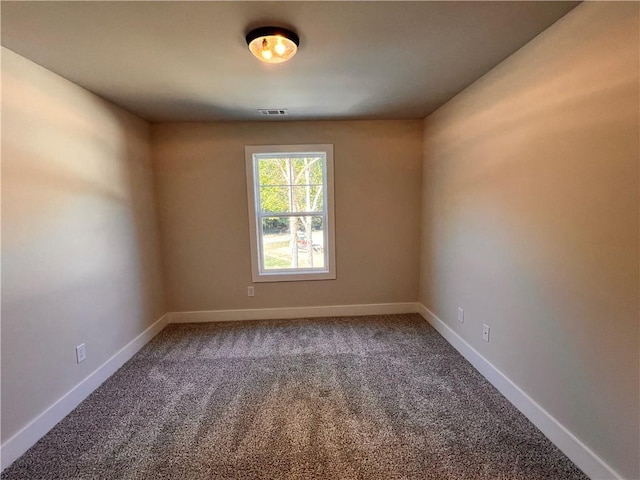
column 486, row 330
column 81, row 353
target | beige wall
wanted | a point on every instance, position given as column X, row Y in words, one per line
column 202, row 194
column 79, row 236
column 530, row 223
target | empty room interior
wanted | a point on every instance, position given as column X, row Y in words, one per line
column 320, row 240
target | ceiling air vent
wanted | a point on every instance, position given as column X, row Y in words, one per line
column 273, row 112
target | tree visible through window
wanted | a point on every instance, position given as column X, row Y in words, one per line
column 291, row 212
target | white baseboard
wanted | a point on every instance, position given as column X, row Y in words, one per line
column 19, row 443
column 566, row 441
column 295, row 312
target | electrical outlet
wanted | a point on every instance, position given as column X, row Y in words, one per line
column 460, row 315
column 485, row 332
column 250, row 291
column 81, row 353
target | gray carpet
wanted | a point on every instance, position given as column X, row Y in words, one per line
column 379, row 397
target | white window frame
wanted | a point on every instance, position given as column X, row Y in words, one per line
column 258, row 273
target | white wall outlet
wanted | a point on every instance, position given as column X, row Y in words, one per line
column 250, row 291
column 460, row 315
column 485, row 332
column 81, row 353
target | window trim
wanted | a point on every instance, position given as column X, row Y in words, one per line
column 329, row 273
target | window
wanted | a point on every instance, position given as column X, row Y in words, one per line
column 291, row 219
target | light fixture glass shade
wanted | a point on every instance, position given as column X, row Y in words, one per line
column 272, row 44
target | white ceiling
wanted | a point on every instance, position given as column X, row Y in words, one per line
column 186, row 61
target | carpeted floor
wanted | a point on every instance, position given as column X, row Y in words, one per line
column 378, row 397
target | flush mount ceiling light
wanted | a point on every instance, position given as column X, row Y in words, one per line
column 272, row 44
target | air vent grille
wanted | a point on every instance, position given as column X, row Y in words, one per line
column 273, row 112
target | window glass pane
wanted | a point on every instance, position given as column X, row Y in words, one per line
column 307, row 170
column 274, row 171
column 276, row 243
column 310, row 242
column 304, row 249
column 309, row 198
column 275, row 199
